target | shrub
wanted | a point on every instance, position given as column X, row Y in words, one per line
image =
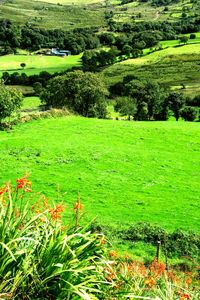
column 178, row 243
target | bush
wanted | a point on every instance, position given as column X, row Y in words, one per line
column 178, row 243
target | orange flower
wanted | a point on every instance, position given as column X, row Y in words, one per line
column 157, row 268
column 56, row 212
column 78, row 205
column 150, row 282
column 3, row 190
column 184, row 296
column 188, row 280
column 23, row 182
column 102, row 241
column 113, row 254
column 110, row 274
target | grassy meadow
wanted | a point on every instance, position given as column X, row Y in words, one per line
column 37, row 63
column 124, row 171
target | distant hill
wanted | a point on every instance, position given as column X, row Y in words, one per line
column 70, row 14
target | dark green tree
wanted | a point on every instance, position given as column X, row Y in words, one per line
column 189, row 113
column 176, row 103
column 126, row 106
column 84, row 93
column 23, row 65
column 183, row 39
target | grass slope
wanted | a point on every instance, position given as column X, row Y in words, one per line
column 171, row 66
column 37, row 63
column 125, row 171
column 52, row 15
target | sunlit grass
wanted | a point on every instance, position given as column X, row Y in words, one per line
column 124, row 171
column 38, row 63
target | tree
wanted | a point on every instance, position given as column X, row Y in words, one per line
column 126, row 106
column 192, row 36
column 127, row 49
column 189, row 113
column 10, row 101
column 82, row 92
column 183, row 39
column 23, row 65
column 176, row 103
column 149, row 96
column 37, row 86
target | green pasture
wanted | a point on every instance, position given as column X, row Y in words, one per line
column 124, row 171
column 31, row 103
column 37, row 63
column 171, row 67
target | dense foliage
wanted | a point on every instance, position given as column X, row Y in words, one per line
column 137, row 35
column 10, row 101
column 31, row 38
column 83, row 93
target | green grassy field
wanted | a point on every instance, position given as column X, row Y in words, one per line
column 31, row 103
column 124, row 171
column 171, row 67
column 37, row 63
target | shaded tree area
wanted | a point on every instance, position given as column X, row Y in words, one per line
column 153, row 2
column 169, row 30
column 92, row 60
column 147, row 100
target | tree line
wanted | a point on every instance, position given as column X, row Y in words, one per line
column 31, row 38
column 144, row 99
column 134, row 35
column 87, row 95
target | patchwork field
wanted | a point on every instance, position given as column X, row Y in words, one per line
column 124, row 171
column 70, row 14
column 52, row 15
column 37, row 63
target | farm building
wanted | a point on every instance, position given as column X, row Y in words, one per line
column 58, row 52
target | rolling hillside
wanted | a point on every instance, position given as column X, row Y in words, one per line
column 68, row 14
column 171, row 67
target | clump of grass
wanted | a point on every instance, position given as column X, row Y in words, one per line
column 41, row 258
